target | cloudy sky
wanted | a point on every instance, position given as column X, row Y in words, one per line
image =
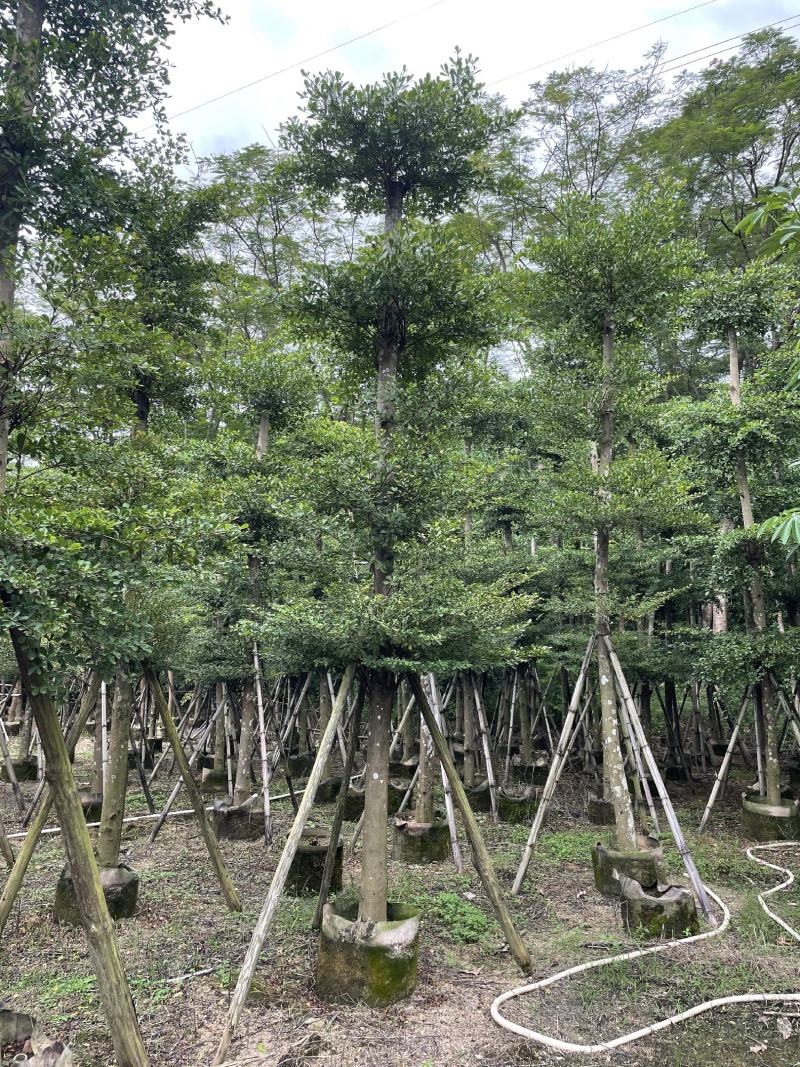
column 516, row 41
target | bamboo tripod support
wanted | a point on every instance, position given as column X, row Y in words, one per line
column 562, row 750
column 282, row 870
column 480, row 856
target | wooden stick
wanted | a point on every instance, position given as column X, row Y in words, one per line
column 5, row 847
column 137, row 759
column 282, row 871
column 487, row 751
column 722, row 773
column 206, row 829
column 262, row 741
column 480, row 856
column 400, row 726
column 510, row 727
column 112, row 983
column 559, row 757
column 338, row 812
column 669, row 811
column 18, row 797
column 209, row 726
column 448, row 796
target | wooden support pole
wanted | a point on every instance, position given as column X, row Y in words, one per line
column 669, row 811
column 5, row 848
column 281, row 871
column 12, row 778
column 112, row 983
column 722, row 773
column 556, row 764
column 262, row 741
column 487, row 749
column 338, row 812
column 196, row 800
column 448, row 795
column 209, row 726
column 15, row 878
column 480, row 855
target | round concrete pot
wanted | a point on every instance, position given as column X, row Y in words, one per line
column 120, row 888
column 770, row 822
column 517, row 807
column 644, row 865
column 212, row 781
column 416, row 842
column 668, row 912
column 92, row 804
column 600, row 812
column 305, row 872
column 245, row 823
column 403, row 769
column 328, row 790
column 25, row 769
column 480, row 797
column 376, row 963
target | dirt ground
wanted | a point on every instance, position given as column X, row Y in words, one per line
column 183, row 949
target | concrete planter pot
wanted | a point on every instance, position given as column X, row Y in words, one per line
column 770, row 822
column 244, row 823
column 25, row 769
column 600, row 812
column 300, row 764
column 645, row 865
column 305, row 873
column 415, row 842
column 517, row 807
column 403, row 769
column 212, row 781
column 120, row 888
column 668, row 912
column 377, row 969
column 328, row 790
column 92, row 804
column 480, row 797
column 16, row 1027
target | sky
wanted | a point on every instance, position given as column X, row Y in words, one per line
column 509, row 37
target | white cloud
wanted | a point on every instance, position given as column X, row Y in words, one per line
column 263, row 36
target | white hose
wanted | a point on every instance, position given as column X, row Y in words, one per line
column 662, row 1024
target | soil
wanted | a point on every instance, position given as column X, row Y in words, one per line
column 183, row 948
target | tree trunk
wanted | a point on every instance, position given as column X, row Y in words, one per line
column 423, row 812
column 374, row 879
column 112, row 984
column 110, row 833
column 219, row 736
column 615, row 786
column 757, row 596
column 22, row 78
column 244, row 782
column 324, row 712
column 468, row 701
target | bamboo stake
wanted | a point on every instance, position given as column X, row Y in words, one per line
column 104, row 734
column 137, row 759
column 487, row 752
column 400, row 726
column 338, row 812
column 480, row 856
column 556, row 764
column 281, row 872
column 669, row 811
column 5, row 847
column 112, row 983
column 448, row 796
column 192, row 762
column 262, row 741
column 210, row 838
column 12, row 778
column 510, row 727
column 722, row 774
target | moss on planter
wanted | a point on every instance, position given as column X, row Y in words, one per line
column 480, row 797
column 25, row 769
column 376, row 964
column 415, row 842
column 245, row 823
column 517, row 807
column 328, row 790
column 305, row 872
column 661, row 912
column 600, row 812
column 120, row 889
column 212, row 781
column 770, row 822
column 644, row 865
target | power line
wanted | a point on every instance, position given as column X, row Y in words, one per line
column 302, row 62
column 606, row 40
column 736, row 37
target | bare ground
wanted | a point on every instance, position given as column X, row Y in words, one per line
column 183, row 949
